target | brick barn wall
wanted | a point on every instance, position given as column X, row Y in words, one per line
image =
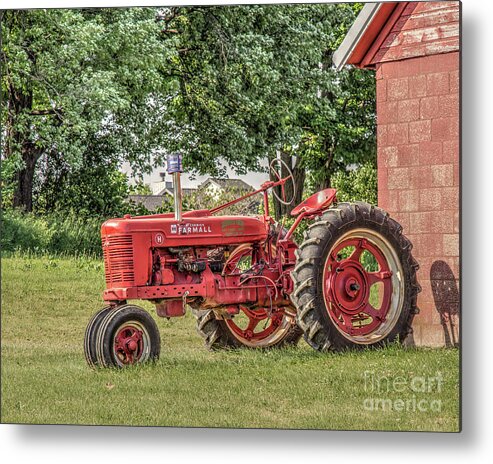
column 418, row 169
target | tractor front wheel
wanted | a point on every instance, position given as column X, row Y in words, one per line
column 91, row 334
column 127, row 335
column 355, row 280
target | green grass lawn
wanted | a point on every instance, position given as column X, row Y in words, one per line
column 46, row 304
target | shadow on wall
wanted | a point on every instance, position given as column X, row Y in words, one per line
column 447, row 300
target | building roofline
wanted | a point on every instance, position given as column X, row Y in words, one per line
column 355, row 33
column 365, row 35
column 222, row 182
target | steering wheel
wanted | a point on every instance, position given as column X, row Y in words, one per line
column 275, row 167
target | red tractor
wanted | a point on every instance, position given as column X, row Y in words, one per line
column 351, row 283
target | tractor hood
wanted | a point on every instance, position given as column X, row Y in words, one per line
column 193, row 229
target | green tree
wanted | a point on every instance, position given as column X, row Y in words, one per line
column 76, row 81
column 357, row 184
column 140, row 189
column 256, row 81
column 87, row 89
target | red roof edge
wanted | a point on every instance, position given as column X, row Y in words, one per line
column 375, row 33
column 367, row 61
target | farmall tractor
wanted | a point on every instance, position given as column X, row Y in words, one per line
column 351, row 282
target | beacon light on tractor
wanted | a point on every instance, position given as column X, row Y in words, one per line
column 351, row 283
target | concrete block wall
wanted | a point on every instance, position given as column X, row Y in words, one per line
column 418, row 169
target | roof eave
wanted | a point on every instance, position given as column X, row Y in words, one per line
column 354, row 35
column 363, row 34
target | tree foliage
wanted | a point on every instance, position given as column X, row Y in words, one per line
column 77, row 81
column 256, row 81
column 88, row 89
column 357, row 184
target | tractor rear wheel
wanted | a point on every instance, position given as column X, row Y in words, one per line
column 252, row 328
column 355, row 280
column 127, row 335
column 90, row 336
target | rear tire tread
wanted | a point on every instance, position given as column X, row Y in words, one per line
column 337, row 220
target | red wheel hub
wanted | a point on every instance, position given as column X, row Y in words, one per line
column 255, row 317
column 128, row 344
column 348, row 285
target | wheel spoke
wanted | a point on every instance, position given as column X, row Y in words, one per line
column 257, row 314
column 346, row 318
column 252, row 335
column 377, row 318
column 358, row 251
column 119, row 346
column 252, row 325
column 254, row 318
column 376, row 277
column 371, row 311
column 332, row 259
column 278, row 175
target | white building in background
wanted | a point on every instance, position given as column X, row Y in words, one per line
column 156, row 180
column 162, row 191
column 215, row 186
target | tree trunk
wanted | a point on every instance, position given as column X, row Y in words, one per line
column 23, row 195
column 324, row 183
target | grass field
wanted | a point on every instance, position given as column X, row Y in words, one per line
column 47, row 302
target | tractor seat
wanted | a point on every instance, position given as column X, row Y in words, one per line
column 316, row 202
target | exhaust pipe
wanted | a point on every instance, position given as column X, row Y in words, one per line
column 175, row 168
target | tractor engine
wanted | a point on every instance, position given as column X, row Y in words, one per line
column 189, row 260
column 152, row 257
